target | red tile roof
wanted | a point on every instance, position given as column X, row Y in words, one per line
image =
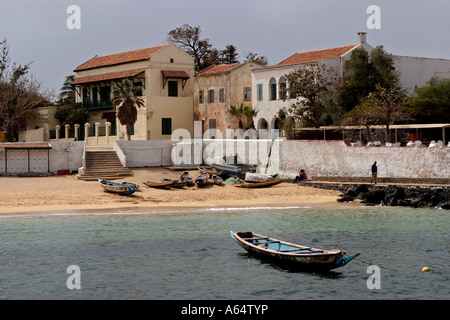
column 218, row 69
column 109, row 76
column 312, row 56
column 175, row 74
column 118, row 58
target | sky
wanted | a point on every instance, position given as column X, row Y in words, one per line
column 37, row 32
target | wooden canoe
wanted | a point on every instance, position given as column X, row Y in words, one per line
column 119, row 188
column 302, row 257
column 202, row 179
column 261, row 184
column 217, row 180
column 176, row 183
column 159, row 185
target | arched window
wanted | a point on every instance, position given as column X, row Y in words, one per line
column 282, row 88
column 273, row 89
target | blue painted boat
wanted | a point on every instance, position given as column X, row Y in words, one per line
column 217, row 180
column 234, row 170
column 125, row 188
column 303, row 257
column 202, row 179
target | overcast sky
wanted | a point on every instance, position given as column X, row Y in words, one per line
column 36, row 30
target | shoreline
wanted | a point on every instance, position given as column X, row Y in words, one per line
column 63, row 194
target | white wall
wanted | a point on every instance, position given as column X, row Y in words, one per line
column 66, row 155
column 145, row 153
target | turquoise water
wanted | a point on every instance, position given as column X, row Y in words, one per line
column 189, row 254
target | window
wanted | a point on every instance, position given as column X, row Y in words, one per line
column 166, row 126
column 247, row 94
column 259, row 91
column 171, row 60
column 221, row 95
column 211, row 96
column 201, row 97
column 212, row 123
column 273, row 89
column 283, row 88
column 173, row 88
column 94, row 95
column 138, row 84
column 85, row 95
column 105, row 94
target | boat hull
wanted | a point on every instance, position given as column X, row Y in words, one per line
column 118, row 188
column 301, row 257
column 159, row 185
column 265, row 184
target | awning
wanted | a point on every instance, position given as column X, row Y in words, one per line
column 174, row 74
column 109, row 76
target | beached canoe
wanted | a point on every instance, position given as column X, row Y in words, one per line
column 202, row 179
column 211, row 171
column 265, row 184
column 300, row 256
column 119, row 188
column 176, row 184
column 217, row 180
column 159, row 185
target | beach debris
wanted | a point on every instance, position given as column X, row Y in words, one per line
column 425, row 269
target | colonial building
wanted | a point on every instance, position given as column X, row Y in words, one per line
column 166, row 75
column 218, row 87
column 267, row 81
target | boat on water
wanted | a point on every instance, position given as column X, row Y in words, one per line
column 303, row 257
column 202, row 179
column 217, row 180
column 265, row 184
column 125, row 188
column 159, row 185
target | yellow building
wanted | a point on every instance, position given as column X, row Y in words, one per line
column 166, row 74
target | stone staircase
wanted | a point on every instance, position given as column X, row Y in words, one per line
column 103, row 165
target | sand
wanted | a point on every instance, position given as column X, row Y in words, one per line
column 67, row 193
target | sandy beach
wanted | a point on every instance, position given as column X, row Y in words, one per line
column 67, row 193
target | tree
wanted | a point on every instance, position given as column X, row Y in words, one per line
column 254, row 57
column 188, row 39
column 431, row 102
column 229, row 55
column 20, row 94
column 314, row 87
column 125, row 96
column 69, row 112
column 363, row 71
column 390, row 105
column 239, row 112
column 364, row 115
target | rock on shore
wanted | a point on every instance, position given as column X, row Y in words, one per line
column 392, row 195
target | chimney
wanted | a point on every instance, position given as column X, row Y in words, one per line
column 362, row 37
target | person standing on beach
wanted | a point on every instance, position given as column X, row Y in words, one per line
column 374, row 173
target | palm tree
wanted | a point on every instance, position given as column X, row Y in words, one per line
column 251, row 114
column 239, row 113
column 125, row 96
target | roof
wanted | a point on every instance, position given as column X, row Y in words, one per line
column 312, row 56
column 215, row 70
column 19, row 145
column 175, row 74
column 119, row 58
column 109, row 76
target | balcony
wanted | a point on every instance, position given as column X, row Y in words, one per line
column 96, row 105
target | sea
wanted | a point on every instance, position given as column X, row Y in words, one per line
column 189, row 254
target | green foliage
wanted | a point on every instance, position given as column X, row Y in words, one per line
column 315, row 88
column 363, row 72
column 431, row 102
column 125, row 96
column 243, row 112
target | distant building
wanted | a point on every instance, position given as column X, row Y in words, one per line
column 166, row 75
column 266, row 82
column 218, row 87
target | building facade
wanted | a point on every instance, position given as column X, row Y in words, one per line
column 218, row 87
column 166, row 75
column 267, row 81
